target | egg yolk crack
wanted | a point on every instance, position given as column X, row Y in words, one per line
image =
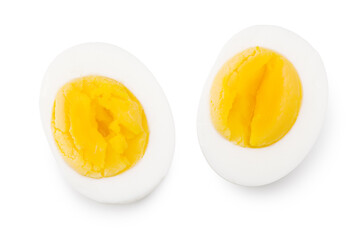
column 255, row 98
column 99, row 126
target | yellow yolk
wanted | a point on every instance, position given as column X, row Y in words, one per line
column 255, row 98
column 99, row 126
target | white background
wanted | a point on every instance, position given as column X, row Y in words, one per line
column 178, row 41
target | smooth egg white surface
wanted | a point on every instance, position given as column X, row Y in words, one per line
column 113, row 62
column 261, row 166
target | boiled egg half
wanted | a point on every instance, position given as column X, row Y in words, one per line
column 262, row 106
column 108, row 123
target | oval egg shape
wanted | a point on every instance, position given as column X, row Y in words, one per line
column 95, row 66
column 262, row 106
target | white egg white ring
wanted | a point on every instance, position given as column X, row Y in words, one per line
column 260, row 166
column 111, row 61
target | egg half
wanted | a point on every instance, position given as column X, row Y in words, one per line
column 262, row 106
column 108, row 123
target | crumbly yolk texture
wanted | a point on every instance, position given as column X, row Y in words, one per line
column 255, row 98
column 99, row 126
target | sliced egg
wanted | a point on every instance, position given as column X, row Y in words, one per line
column 262, row 106
column 108, row 123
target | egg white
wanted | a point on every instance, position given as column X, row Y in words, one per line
column 113, row 62
column 260, row 166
